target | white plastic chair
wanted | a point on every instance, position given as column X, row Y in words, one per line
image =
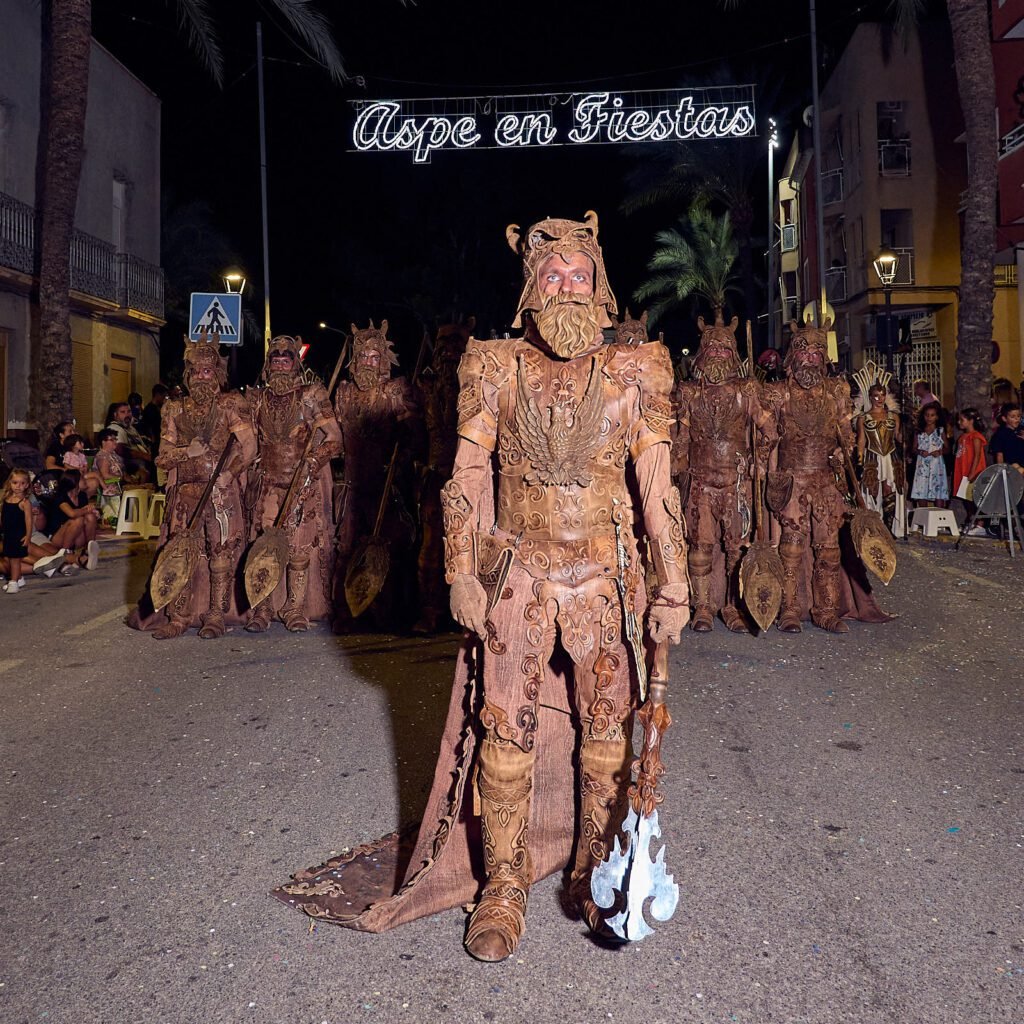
column 131, row 516
column 931, row 520
column 155, row 514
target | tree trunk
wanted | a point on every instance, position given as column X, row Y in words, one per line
column 64, row 86
column 975, row 74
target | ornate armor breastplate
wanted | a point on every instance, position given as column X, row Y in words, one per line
column 719, row 431
column 562, row 450
column 808, row 431
column 880, row 435
column 208, row 425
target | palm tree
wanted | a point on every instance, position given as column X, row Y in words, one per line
column 697, row 261
column 67, row 38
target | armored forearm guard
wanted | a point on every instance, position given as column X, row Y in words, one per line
column 458, row 531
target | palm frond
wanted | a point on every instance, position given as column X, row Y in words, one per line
column 906, row 15
column 313, row 28
column 195, row 17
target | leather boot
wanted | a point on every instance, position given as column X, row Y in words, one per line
column 700, row 588
column 220, row 599
column 825, row 590
column 504, row 782
column 791, row 553
column 733, row 618
column 259, row 618
column 293, row 610
column 604, row 780
column 178, row 618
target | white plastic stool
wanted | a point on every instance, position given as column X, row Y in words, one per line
column 131, row 517
column 155, row 514
column 931, row 520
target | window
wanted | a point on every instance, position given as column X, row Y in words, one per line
column 893, row 131
column 897, row 230
column 5, row 146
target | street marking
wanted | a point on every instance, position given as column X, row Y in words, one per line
column 964, row 574
column 9, row 663
column 100, row 620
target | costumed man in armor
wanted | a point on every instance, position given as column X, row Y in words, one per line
column 547, row 426
column 814, row 414
column 376, row 413
column 194, row 431
column 883, row 478
column 439, row 390
column 711, row 463
column 562, row 413
column 285, row 413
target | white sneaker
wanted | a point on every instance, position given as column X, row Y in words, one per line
column 93, row 554
column 21, row 583
column 49, row 564
column 978, row 531
column 10, row 588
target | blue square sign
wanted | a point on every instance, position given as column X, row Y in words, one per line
column 217, row 313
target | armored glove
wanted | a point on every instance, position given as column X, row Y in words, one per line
column 469, row 604
column 669, row 613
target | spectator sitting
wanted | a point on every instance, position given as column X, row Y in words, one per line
column 149, row 425
column 53, row 456
column 930, row 445
column 74, row 520
column 134, row 452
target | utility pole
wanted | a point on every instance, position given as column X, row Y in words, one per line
column 818, row 156
column 263, row 187
column 773, row 141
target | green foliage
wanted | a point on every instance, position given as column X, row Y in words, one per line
column 696, row 261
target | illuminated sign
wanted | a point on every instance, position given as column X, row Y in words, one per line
column 423, row 127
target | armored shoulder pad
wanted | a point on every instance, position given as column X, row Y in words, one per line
column 484, row 367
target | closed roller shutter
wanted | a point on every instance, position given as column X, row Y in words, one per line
column 81, row 387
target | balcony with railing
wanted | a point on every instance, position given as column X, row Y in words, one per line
column 894, row 159
column 1006, row 275
column 832, row 186
column 835, row 284
column 97, row 268
column 1012, row 140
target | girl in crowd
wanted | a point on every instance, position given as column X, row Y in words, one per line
column 16, row 522
column 53, row 457
column 110, row 470
column 970, row 460
column 930, row 445
column 74, row 458
column 74, row 520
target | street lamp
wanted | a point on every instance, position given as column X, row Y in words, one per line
column 234, row 280
column 886, row 263
column 327, row 327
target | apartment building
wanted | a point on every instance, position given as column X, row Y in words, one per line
column 893, row 172
column 116, row 280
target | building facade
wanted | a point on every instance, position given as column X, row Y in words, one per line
column 116, row 280
column 893, row 172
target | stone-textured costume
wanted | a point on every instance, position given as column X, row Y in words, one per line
column 194, row 433
column 375, row 412
column 540, row 470
column 284, row 413
column 712, row 463
column 813, row 411
column 439, row 391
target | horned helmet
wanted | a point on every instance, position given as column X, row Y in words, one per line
column 372, row 355
column 450, row 344
column 283, row 381
column 563, row 237
column 201, row 355
column 629, row 331
column 718, row 359
column 806, row 360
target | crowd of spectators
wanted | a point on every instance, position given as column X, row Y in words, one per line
column 50, row 520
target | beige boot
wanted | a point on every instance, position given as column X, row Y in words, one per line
column 604, row 781
column 792, row 554
column 293, row 610
column 825, row 590
column 220, row 599
column 504, row 782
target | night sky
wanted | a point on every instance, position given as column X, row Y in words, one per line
column 355, row 235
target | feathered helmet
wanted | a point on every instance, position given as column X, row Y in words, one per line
column 375, row 338
column 563, row 237
column 205, row 352
column 284, row 344
column 869, row 376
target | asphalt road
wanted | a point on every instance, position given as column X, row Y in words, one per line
column 843, row 814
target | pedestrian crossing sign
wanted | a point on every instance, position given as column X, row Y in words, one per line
column 217, row 313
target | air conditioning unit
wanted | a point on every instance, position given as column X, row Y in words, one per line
column 789, row 237
column 890, row 107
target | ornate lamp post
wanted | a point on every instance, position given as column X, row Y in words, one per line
column 886, row 263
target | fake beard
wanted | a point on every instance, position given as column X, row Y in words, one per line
column 365, row 377
column 718, row 371
column 807, row 375
column 203, row 392
column 568, row 324
column 283, row 381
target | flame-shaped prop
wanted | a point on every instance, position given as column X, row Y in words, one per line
column 629, row 875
